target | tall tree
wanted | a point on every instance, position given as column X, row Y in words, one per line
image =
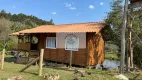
column 5, row 31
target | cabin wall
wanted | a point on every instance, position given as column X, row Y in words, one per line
column 61, row 39
column 60, row 54
column 95, row 48
column 93, row 54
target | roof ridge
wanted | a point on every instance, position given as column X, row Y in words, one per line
column 81, row 23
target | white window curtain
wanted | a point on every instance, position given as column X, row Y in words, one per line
column 51, row 42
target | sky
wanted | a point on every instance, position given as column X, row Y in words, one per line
column 61, row 11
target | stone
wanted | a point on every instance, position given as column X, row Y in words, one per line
column 16, row 78
column 121, row 76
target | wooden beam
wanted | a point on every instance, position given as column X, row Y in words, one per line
column 136, row 36
column 41, row 61
column 70, row 59
column 135, row 5
column 28, row 65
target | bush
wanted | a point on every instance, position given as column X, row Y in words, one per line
column 138, row 55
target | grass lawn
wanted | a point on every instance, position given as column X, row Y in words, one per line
column 11, row 69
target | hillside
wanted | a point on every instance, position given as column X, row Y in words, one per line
column 22, row 21
column 15, row 22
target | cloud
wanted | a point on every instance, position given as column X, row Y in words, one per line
column 91, row 6
column 77, row 14
column 69, row 6
column 101, row 3
column 72, row 8
column 13, row 6
column 54, row 13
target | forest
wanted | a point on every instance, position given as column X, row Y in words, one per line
column 15, row 22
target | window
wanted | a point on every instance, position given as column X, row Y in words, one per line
column 72, row 43
column 51, row 42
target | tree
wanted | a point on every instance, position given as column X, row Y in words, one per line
column 5, row 31
column 3, row 14
column 114, row 19
column 51, row 22
column 22, row 18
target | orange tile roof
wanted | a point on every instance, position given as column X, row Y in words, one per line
column 73, row 28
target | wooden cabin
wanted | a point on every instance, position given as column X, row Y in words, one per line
column 83, row 39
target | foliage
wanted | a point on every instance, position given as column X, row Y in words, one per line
column 114, row 19
column 22, row 21
column 110, row 47
column 112, row 56
column 25, row 19
column 138, row 55
column 15, row 22
column 4, row 32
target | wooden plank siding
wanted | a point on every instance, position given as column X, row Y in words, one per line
column 95, row 48
column 91, row 55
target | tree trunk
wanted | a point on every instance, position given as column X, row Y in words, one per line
column 122, row 60
column 2, row 63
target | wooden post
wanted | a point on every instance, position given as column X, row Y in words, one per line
column 41, row 61
column 122, row 60
column 132, row 64
column 2, row 62
column 18, row 48
column 70, row 58
column 130, row 45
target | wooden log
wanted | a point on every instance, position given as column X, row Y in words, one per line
column 29, row 64
column 132, row 64
column 2, row 61
column 122, row 60
column 41, row 61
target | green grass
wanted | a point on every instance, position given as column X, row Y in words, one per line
column 11, row 69
column 111, row 56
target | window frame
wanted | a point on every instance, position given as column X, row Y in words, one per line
column 55, row 43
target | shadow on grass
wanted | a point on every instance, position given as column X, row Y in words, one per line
column 30, row 72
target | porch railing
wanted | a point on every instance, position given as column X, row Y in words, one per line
column 24, row 46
